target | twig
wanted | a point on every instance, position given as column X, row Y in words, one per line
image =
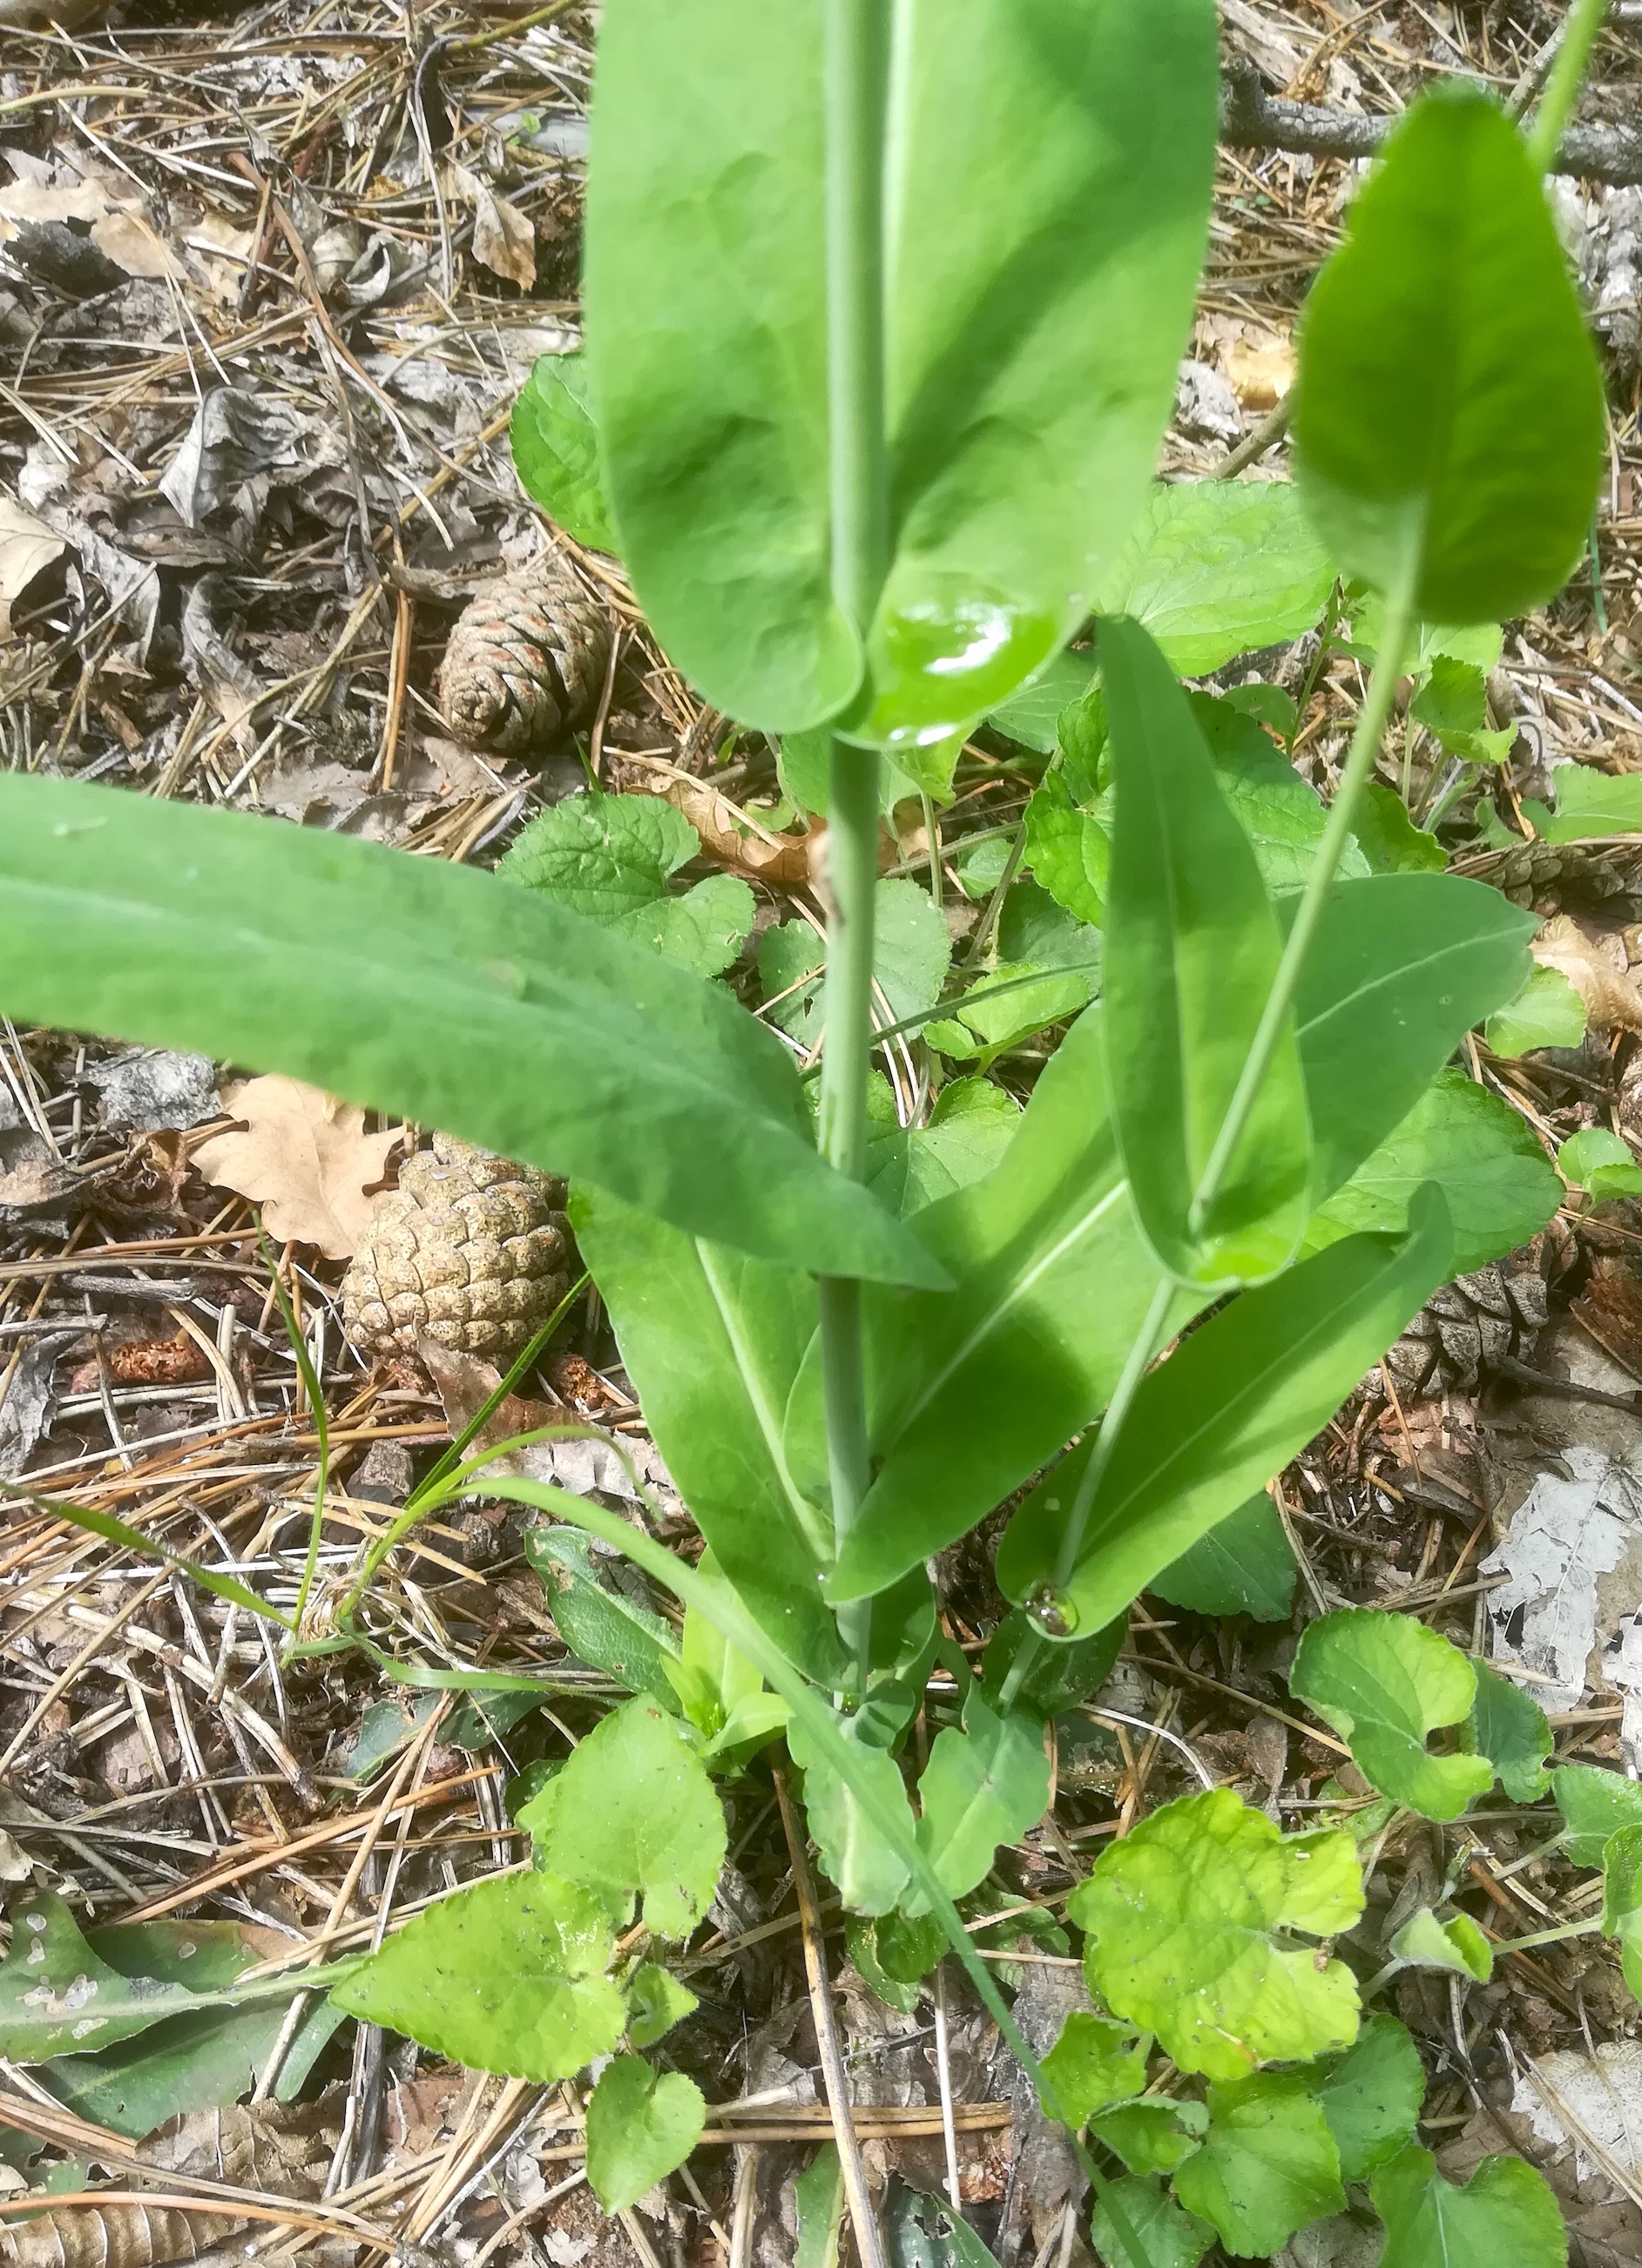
column 868, row 2243
column 1253, row 119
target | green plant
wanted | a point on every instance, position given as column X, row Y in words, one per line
column 866, row 460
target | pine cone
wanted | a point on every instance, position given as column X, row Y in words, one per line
column 1551, row 877
column 470, row 1248
column 1471, row 1323
column 526, row 659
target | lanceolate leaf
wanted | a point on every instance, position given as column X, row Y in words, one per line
column 869, row 1873
column 56, row 1997
column 1228, row 1410
column 425, row 989
column 506, row 1976
column 1384, row 1682
column 1032, row 337
column 603, row 1627
column 712, row 1341
column 1192, row 947
column 1449, row 412
column 1622, row 1901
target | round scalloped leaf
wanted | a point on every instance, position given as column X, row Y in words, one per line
column 1189, row 1922
column 1371, row 2096
column 1268, row 2164
column 1384, row 1682
column 1505, row 2213
column 1093, row 2063
column 641, row 2125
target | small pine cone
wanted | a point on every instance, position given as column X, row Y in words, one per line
column 1550, row 876
column 526, row 659
column 1471, row 1325
column 470, row 1248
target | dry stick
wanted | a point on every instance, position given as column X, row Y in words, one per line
column 866, row 2237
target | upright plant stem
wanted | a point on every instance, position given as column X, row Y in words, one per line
column 1573, row 52
column 856, row 91
column 1370, row 724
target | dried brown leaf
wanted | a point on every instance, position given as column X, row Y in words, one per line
column 27, row 546
column 728, row 837
column 1611, row 998
column 303, row 1157
column 503, row 240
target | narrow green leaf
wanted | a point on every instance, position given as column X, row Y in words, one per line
column 656, row 2001
column 1192, row 947
column 641, row 2125
column 1600, row 1164
column 713, row 1341
column 1030, row 354
column 506, row 1977
column 818, row 2194
column 1457, row 1944
column 1169, row 2237
column 535, row 1032
column 1268, row 2164
column 58, row 1998
column 1384, row 1683
column 1243, row 1565
column 1507, row 2212
column 633, row 1810
column 1508, row 1726
column 1595, row 1805
column 1224, row 1415
column 1094, row 2062
column 1218, row 568
column 1548, row 1012
column 982, row 1787
column 1371, row 2096
column 556, row 449
column 1449, row 418
column 1622, row 1901
column 1484, row 1157
column 1187, row 1923
column 603, row 1627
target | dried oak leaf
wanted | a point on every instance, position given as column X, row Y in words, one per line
column 1611, row 998
column 303, row 1157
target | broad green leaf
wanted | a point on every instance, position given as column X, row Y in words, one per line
column 712, row 1342
column 977, row 1389
column 1030, row 355
column 508, row 1976
column 805, row 767
column 1508, row 1726
column 1192, row 947
column 969, row 1131
column 1244, row 1565
column 1591, row 803
column 1547, row 1012
column 1218, row 568
column 1390, row 841
column 641, row 2125
column 908, row 1946
column 1507, row 2212
column 1060, row 1676
column 982, row 1787
column 1268, row 704
column 1484, row 1157
column 912, row 948
column 1032, row 714
column 1449, row 418
column 1622, row 1901
column 1235, row 1402
column 818, row 2195
column 1600, row 1164
column 1371, row 2096
column 1094, row 2062
column 1384, row 1683
column 1453, row 704
column 1481, row 644
column 609, row 857
column 58, row 1998
column 870, row 1875
column 656, row 2001
column 533, row 1031
column 196, row 2061
column 922, row 2230
column 861, row 1935
column 633, row 1810
column 1069, row 850
column 1281, row 814
column 1426, row 1942
column 602, row 1626
column 1154, row 2136
column 1268, row 2164
column 1188, row 1927
column 1595, row 1805
column 1168, row 2236
column 556, row 449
